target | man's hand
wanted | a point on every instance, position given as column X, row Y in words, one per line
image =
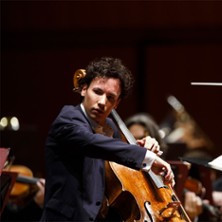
column 192, row 204
column 217, row 198
column 39, row 197
column 161, row 167
column 151, row 144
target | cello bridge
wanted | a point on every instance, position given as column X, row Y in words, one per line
column 169, row 210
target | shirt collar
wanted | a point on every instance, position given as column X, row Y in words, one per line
column 92, row 122
column 105, row 130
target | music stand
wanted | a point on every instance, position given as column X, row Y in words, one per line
column 4, row 152
column 204, row 173
column 200, row 162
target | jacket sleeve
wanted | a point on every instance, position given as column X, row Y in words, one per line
column 72, row 133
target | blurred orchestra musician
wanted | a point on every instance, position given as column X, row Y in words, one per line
column 186, row 139
column 26, row 196
column 143, row 124
column 180, row 129
column 30, row 210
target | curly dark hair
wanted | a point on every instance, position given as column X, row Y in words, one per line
column 109, row 68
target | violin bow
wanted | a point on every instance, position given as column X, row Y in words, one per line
column 206, row 83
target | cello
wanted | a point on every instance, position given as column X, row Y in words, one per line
column 137, row 195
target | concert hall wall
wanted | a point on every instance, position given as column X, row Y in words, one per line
column 166, row 44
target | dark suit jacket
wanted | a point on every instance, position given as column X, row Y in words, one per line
column 75, row 157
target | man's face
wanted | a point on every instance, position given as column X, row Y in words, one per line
column 100, row 97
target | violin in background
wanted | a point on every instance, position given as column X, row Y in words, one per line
column 26, row 197
column 25, row 186
column 196, row 187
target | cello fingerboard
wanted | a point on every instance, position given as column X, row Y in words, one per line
column 157, row 180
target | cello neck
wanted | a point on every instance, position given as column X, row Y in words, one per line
column 158, row 182
column 128, row 135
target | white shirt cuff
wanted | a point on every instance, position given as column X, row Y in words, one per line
column 148, row 160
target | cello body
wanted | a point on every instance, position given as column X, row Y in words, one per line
column 136, row 198
column 138, row 195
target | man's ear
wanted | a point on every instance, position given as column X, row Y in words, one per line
column 83, row 90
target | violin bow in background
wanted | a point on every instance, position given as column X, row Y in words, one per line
column 206, row 83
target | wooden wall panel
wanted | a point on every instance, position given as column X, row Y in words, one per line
column 166, row 44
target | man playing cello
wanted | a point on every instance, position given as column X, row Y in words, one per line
column 82, row 137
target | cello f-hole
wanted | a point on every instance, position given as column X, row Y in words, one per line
column 148, row 208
